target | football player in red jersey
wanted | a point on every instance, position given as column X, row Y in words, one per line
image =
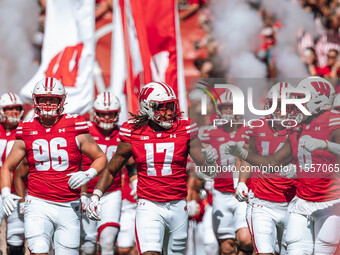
column 229, row 215
column 105, row 132
column 273, row 192
column 159, row 141
column 314, row 220
column 11, row 113
column 53, row 144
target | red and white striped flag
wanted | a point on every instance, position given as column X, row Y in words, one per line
column 146, row 47
column 68, row 52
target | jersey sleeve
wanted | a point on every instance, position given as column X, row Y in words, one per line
column 125, row 132
column 251, row 132
column 80, row 124
column 334, row 122
column 19, row 131
column 245, row 135
column 203, row 134
column 191, row 128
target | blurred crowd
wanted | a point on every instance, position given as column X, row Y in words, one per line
column 319, row 51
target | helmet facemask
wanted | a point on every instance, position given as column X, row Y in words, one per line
column 277, row 114
column 162, row 111
column 295, row 112
column 8, row 116
column 46, row 108
column 224, row 112
column 106, row 119
column 11, row 109
column 106, row 109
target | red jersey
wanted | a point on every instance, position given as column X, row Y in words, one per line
column 108, row 144
column 161, row 159
column 218, row 138
column 317, row 182
column 52, row 153
column 126, row 190
column 271, row 187
column 6, row 143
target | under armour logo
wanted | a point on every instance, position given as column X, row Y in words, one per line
column 61, row 130
column 159, row 135
column 317, row 128
column 34, row 132
column 144, row 138
column 172, row 135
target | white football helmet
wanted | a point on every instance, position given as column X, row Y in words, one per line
column 106, row 102
column 322, row 95
column 227, row 100
column 336, row 103
column 10, row 100
column 49, row 87
column 277, row 88
column 153, row 95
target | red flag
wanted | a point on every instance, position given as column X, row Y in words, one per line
column 150, row 48
column 162, row 26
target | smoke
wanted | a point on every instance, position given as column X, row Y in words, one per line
column 237, row 28
column 295, row 20
column 19, row 21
